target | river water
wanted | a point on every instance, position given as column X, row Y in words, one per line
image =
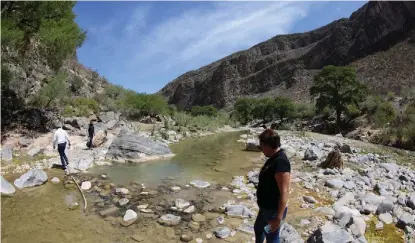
column 40, row 214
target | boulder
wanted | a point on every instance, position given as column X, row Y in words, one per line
column 312, row 153
column 77, row 122
column 34, row 177
column 25, row 142
column 100, row 135
column 345, row 148
column 34, row 151
column 6, row 188
column 82, row 164
column 6, row 155
column 252, row 145
column 330, row 233
column 334, row 183
column 222, row 232
column 289, row 234
column 410, row 202
column 108, row 116
column 169, row 220
column 386, row 218
column 134, row 147
column 405, row 219
column 385, row 206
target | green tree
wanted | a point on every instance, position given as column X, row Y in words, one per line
column 243, row 110
column 284, row 108
column 208, row 110
column 54, row 89
column 264, row 109
column 337, row 87
column 50, row 25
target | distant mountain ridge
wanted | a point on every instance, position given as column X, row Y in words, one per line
column 378, row 40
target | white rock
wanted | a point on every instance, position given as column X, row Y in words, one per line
column 55, row 180
column 190, row 209
column 86, row 185
column 31, row 178
column 6, row 188
column 175, row 189
column 122, row 191
column 142, row 206
column 130, row 215
column 181, row 203
column 123, row 201
column 198, row 240
column 200, row 184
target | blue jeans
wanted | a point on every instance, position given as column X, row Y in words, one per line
column 261, row 221
column 61, row 150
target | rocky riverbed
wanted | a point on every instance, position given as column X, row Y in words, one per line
column 370, row 200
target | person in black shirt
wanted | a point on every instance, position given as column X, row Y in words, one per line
column 272, row 190
column 90, row 134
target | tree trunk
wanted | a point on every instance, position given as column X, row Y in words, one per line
column 338, row 119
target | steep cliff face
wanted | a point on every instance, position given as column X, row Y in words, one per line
column 286, row 64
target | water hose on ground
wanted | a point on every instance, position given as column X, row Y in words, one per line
column 82, row 193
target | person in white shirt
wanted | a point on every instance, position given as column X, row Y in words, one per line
column 61, row 138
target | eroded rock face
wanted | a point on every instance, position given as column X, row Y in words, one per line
column 285, row 61
column 135, row 147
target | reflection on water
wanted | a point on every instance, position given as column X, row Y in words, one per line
column 40, row 214
column 217, row 157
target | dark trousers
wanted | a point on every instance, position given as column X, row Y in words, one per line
column 261, row 221
column 61, row 150
column 90, row 137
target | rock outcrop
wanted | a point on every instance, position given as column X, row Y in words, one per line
column 285, row 64
column 131, row 147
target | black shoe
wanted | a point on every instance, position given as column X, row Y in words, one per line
column 63, row 168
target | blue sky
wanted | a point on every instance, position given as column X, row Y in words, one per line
column 145, row 45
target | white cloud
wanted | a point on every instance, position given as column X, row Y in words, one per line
column 194, row 37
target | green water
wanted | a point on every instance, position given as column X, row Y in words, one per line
column 217, row 157
column 40, row 215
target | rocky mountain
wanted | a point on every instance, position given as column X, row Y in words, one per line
column 377, row 39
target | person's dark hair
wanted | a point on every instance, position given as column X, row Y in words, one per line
column 270, row 137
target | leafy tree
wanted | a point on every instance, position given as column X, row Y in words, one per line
column 243, row 109
column 337, row 87
column 284, row 107
column 264, row 109
column 50, row 25
column 208, row 110
column 53, row 90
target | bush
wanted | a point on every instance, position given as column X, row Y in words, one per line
column 379, row 111
column 81, row 106
column 352, row 111
column 208, row 110
column 304, row 111
column 54, row 90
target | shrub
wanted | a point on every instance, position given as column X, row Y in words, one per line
column 81, row 106
column 304, row 111
column 384, row 114
column 208, row 110
column 55, row 89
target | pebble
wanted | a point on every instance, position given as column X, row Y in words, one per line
column 186, row 237
column 86, row 185
column 142, row 206
column 55, row 180
column 175, row 189
column 123, row 201
column 189, row 210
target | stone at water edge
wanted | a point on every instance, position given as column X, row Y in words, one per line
column 55, row 180
column 130, row 215
column 181, row 203
column 200, row 184
column 108, row 211
column 190, row 209
column 34, row 177
column 198, row 218
column 86, row 185
column 220, row 219
column 6, row 188
column 238, row 211
column 122, row 191
column 123, row 201
column 222, row 232
column 186, row 237
column 169, row 220
column 142, row 206
column 175, row 189
column 252, row 145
